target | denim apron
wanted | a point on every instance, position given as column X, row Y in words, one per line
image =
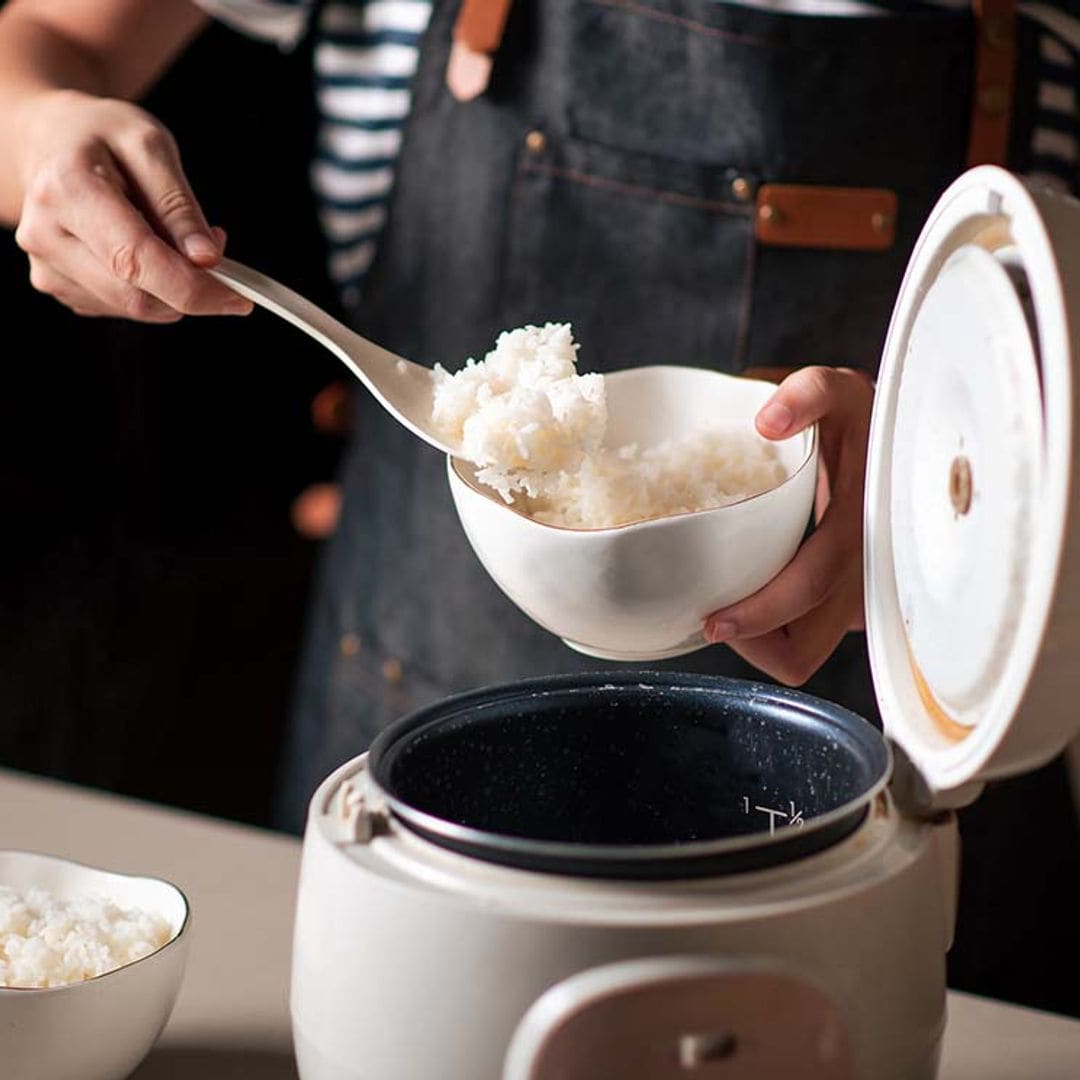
column 606, row 178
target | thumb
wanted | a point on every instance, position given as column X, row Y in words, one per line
column 802, row 399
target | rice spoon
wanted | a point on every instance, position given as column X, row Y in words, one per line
column 405, row 389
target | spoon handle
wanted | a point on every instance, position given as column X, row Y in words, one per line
column 294, row 308
column 403, row 388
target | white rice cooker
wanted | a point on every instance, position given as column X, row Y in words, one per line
column 668, row 876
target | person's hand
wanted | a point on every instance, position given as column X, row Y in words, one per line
column 792, row 625
column 109, row 220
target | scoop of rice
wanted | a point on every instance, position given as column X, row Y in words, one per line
column 523, row 414
column 536, row 430
column 46, row 941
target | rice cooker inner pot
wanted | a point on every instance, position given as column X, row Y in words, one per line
column 635, row 775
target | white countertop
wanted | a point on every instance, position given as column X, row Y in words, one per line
column 232, row 1019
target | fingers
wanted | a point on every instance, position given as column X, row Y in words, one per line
column 99, row 291
column 794, row 652
column 789, row 627
column 128, row 249
column 806, row 582
column 99, row 230
column 808, row 396
column 820, row 564
column 149, row 156
column 840, row 400
column 70, row 273
column 68, row 292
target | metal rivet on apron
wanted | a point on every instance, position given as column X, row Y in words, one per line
column 993, row 99
column 349, row 645
column 392, row 669
column 536, row 141
column 741, row 189
column 768, row 212
column 880, row 220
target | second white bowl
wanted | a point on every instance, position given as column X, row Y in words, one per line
column 102, row 1028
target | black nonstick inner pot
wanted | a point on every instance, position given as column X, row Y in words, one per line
column 632, row 775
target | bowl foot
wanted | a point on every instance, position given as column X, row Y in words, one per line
column 688, row 645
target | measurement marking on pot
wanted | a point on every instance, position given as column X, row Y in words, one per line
column 773, row 815
column 792, row 816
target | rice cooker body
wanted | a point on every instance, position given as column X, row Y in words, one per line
column 412, row 962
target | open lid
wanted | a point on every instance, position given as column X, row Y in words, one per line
column 971, row 538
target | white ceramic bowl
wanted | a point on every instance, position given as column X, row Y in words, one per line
column 642, row 591
column 102, row 1028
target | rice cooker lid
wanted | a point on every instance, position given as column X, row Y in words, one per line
column 972, row 585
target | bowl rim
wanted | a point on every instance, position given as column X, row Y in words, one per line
column 454, row 470
column 185, row 923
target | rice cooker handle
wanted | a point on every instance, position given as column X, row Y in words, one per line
column 675, row 1017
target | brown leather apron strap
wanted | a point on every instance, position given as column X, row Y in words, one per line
column 480, row 24
column 478, row 33
column 995, row 75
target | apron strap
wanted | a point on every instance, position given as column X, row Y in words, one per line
column 995, row 76
column 480, row 24
column 478, row 33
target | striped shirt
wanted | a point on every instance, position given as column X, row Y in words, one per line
column 366, row 54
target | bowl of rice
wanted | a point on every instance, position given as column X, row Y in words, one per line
column 618, row 511
column 91, row 963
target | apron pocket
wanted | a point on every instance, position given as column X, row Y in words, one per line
column 848, row 100
column 650, row 259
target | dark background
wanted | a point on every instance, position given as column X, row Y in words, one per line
column 153, row 588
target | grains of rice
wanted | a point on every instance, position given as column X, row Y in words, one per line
column 701, row 470
column 536, row 430
column 523, row 413
column 46, row 941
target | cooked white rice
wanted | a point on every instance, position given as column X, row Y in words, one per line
column 702, row 470
column 536, row 430
column 523, row 413
column 46, row 941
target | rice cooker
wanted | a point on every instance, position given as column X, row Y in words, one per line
column 673, row 876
